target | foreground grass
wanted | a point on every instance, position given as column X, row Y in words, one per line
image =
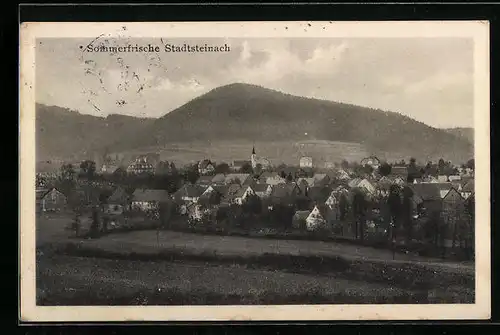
column 108, row 277
column 67, row 280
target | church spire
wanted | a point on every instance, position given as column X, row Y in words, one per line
column 253, row 150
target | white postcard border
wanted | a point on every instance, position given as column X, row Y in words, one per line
column 478, row 30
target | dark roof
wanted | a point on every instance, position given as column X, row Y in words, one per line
column 430, row 191
column 267, row 174
column 283, row 190
column 301, row 215
column 189, row 191
column 241, row 191
column 150, row 195
column 40, row 193
column 218, row 178
column 260, row 187
column 204, row 179
column 221, row 189
column 242, row 177
column 400, row 171
column 469, row 187
column 232, row 189
column 204, row 163
column 318, row 194
column 324, row 210
column 118, row 196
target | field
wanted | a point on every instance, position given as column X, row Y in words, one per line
column 276, row 152
column 179, row 268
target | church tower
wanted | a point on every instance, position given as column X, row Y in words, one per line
column 254, row 158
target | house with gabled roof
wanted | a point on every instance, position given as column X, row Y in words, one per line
column 218, row 179
column 284, row 192
column 229, row 194
column 321, row 179
column 308, row 182
column 299, row 219
column 204, row 181
column 442, row 178
column 354, row 182
column 118, row 201
column 399, row 171
column 145, row 199
column 188, row 193
column 262, row 190
column 318, row 194
column 240, row 178
column 319, row 217
column 363, row 184
column 342, row 174
column 206, row 166
column 468, row 189
column 241, row 195
column 271, row 178
column 52, row 200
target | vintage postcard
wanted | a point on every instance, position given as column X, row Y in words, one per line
column 254, row 171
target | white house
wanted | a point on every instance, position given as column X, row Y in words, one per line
column 467, row 190
column 206, row 167
column 189, row 193
column 146, row 199
column 332, row 201
column 442, row 178
column 242, row 194
column 365, row 185
column 275, row 180
column 317, row 218
column 454, row 177
column 306, row 162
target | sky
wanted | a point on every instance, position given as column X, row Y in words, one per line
column 427, row 79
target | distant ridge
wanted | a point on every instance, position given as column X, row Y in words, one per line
column 245, row 112
column 464, row 133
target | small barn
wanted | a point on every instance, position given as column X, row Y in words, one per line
column 53, row 201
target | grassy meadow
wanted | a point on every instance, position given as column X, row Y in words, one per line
column 172, row 268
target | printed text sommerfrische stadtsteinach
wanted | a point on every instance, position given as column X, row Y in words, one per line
column 156, row 48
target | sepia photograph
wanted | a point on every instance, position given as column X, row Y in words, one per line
column 245, row 171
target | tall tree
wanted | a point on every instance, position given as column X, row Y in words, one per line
column 344, row 164
column 384, row 169
column 192, row 174
column 359, row 206
column 67, row 172
column 246, row 168
column 343, row 206
column 394, row 205
column 441, row 166
column 222, row 168
column 88, row 168
column 470, row 163
column 258, row 169
column 406, row 212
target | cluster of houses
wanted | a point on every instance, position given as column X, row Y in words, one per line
column 321, row 192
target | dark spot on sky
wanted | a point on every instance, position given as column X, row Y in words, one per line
column 309, row 24
column 81, row 46
column 286, row 28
